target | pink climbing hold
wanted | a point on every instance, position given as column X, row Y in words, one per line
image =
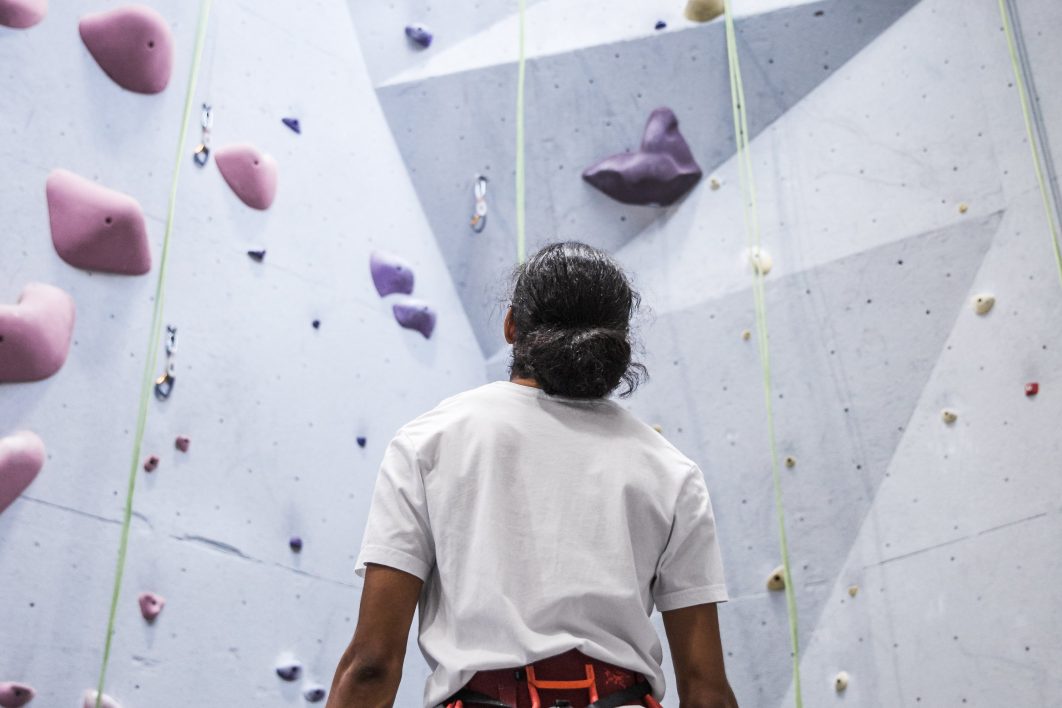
column 250, row 173
column 132, row 44
column 182, row 443
column 151, row 463
column 96, row 228
column 20, row 14
column 35, row 333
column 151, row 605
column 390, row 274
column 416, row 315
column 21, row 459
column 15, row 695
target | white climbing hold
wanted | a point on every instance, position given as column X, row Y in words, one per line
column 949, row 416
column 776, row 580
column 746, row 335
column 714, row 183
column 983, row 303
column 840, row 681
column 703, row 10
column 853, row 590
column 761, row 260
column 790, row 462
column 89, row 700
column 963, row 208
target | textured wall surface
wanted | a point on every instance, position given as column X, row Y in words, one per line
column 872, row 121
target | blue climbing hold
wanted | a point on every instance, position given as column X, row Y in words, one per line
column 660, row 24
column 295, row 543
column 361, row 441
column 420, row 35
column 292, row 123
column 257, row 255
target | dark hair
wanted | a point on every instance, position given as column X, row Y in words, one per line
column 572, row 306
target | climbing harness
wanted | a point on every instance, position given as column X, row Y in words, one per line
column 479, row 217
column 524, row 687
column 760, row 268
column 202, row 150
column 164, row 384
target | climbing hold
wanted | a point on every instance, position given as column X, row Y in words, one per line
column 1032, row 388
column 761, row 260
column 658, row 174
column 257, row 255
column 420, row 35
column 660, row 24
column 151, row 463
column 132, row 44
column 316, row 324
column 983, row 303
column 35, row 333
column 250, row 173
column 295, row 543
column 15, row 695
column 289, row 669
column 840, row 681
column 776, row 580
column 390, row 274
column 96, row 228
column 714, row 183
column 746, row 335
column 182, row 443
column 314, row 694
column 658, row 428
column 20, row 14
column 853, row 590
column 151, row 605
column 414, row 314
column 21, row 459
column 703, row 10
column 292, row 123
column 89, row 700
column 949, row 416
column 963, row 208
column 790, row 462
column 361, row 441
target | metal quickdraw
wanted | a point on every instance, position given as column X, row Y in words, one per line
column 164, row 383
column 202, row 150
column 479, row 217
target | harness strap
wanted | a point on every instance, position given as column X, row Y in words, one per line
column 476, row 698
column 634, row 693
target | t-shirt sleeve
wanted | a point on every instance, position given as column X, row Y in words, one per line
column 398, row 532
column 690, row 569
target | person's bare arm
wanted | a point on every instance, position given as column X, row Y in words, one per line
column 697, row 652
column 371, row 668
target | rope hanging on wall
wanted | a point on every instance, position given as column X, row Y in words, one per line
column 752, row 227
column 521, row 237
column 1018, row 60
column 153, row 344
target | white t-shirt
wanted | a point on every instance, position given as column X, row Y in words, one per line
column 540, row 524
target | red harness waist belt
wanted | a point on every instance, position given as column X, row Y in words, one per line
column 569, row 679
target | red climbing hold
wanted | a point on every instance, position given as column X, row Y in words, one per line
column 1031, row 389
column 133, row 45
column 35, row 333
column 21, row 459
column 250, row 173
column 96, row 228
column 20, row 14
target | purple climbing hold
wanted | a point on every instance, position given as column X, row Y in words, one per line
column 295, row 543
column 361, row 441
column 151, row 605
column 290, row 671
column 314, row 694
column 257, row 255
column 660, row 24
column 21, row 459
column 658, row 174
column 292, row 123
column 132, row 44
column 316, row 324
column 390, row 274
column 20, row 14
column 414, row 314
column 420, row 35
column 15, row 695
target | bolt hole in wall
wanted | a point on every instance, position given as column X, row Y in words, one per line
column 807, row 243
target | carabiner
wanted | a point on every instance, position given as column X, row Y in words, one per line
column 164, row 384
column 479, row 218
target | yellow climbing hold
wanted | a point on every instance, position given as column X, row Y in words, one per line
column 714, row 183
column 949, row 416
column 703, row 10
column 790, row 462
column 746, row 335
column 776, row 580
column 658, row 428
column 963, row 208
column 853, row 590
column 840, row 681
column 983, row 303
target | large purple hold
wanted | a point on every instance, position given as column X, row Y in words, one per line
column 420, row 34
column 390, row 274
column 414, row 314
column 659, row 174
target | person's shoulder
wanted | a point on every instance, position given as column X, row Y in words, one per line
column 445, row 413
column 653, row 443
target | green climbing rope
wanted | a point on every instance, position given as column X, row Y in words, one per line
column 521, row 236
column 153, row 345
column 1034, row 145
column 752, row 227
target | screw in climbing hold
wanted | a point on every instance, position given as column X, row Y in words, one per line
column 714, row 183
column 316, row 324
column 288, row 669
column 257, row 255
column 295, row 543
column 182, row 443
column 164, row 383
column 420, row 35
column 1032, row 388
column 963, row 208
column 206, row 122
column 658, row 428
column 660, row 24
column 949, row 416
column 840, row 681
column 314, row 694
column 479, row 217
column 15, row 695
column 853, row 590
column 790, row 462
column 361, row 441
column 761, row 260
column 292, row 123
column 151, row 605
column 983, row 303
column 776, row 580
column 746, row 335
column 151, row 463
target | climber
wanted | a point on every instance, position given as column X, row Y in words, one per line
column 536, row 522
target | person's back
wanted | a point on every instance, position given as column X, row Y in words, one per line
column 544, row 519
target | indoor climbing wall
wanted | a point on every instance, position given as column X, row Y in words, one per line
column 293, row 244
column 912, row 303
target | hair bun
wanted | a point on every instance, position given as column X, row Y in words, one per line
column 580, row 362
